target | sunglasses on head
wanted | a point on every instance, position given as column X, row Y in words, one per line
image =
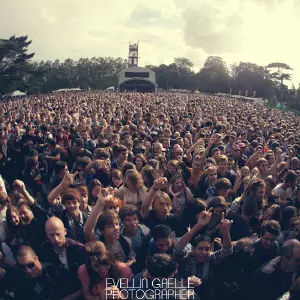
column 29, row 266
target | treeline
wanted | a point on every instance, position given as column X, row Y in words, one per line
column 19, row 72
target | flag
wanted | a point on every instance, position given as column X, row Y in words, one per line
column 254, row 94
column 240, row 93
column 230, row 91
column 246, row 93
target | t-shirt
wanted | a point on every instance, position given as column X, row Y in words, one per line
column 239, row 228
column 117, row 251
column 283, row 194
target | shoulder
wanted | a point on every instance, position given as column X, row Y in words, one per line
column 124, row 270
column 83, row 274
column 145, row 229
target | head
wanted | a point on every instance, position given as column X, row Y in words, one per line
column 245, row 171
column 162, row 237
column 109, row 225
column 222, row 163
column 117, row 178
column 83, row 191
column 98, row 260
column 56, row 232
column 28, row 262
column 256, row 188
column 177, row 182
column 269, row 234
column 223, row 186
column 162, row 204
column 94, row 189
column 290, row 256
column 133, row 180
column 161, row 266
column 218, row 204
column 296, row 229
column 212, row 175
column 13, row 217
column 201, row 248
column 60, row 168
column 172, row 167
column 129, row 216
column 71, row 200
column 113, row 204
column 78, row 145
column 290, row 179
column 139, row 161
column 25, row 213
column 262, row 165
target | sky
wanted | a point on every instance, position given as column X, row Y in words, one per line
column 257, row 31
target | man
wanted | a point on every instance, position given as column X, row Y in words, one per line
column 79, row 151
column 33, row 217
column 160, row 268
column 60, row 169
column 122, row 158
column 285, row 190
column 65, row 255
column 266, row 248
column 276, row 277
column 35, row 281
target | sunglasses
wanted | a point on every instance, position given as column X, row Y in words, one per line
column 29, row 266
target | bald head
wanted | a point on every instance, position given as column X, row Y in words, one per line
column 25, row 251
column 54, row 223
column 56, row 232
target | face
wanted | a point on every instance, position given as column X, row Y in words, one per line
column 197, row 165
column 139, row 162
column 56, row 201
column 178, row 184
column 293, row 264
column 218, row 211
column 26, row 214
column 163, row 244
column 212, row 176
column 14, row 219
column 96, row 191
column 162, row 208
column 268, row 240
column 172, row 170
column 29, row 265
column 166, row 144
column 222, row 166
column 260, row 192
column 83, row 198
column 124, row 155
column 271, row 160
column 57, row 236
column 229, row 165
column 202, row 251
column 296, row 232
column 101, row 268
column 131, row 222
column 72, row 206
column 117, row 181
column 112, row 230
column 263, row 168
column 223, row 193
column 216, row 154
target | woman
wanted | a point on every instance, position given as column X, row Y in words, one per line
column 272, row 213
column 94, row 189
column 133, row 191
column 139, row 161
column 148, row 175
column 116, row 179
column 98, row 268
column 14, row 229
column 179, row 193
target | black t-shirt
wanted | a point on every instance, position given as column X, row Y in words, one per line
column 239, row 228
column 151, row 221
column 262, row 255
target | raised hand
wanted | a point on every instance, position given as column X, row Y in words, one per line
column 225, row 225
column 193, row 281
column 69, row 178
column 19, row 185
column 160, row 183
column 204, row 217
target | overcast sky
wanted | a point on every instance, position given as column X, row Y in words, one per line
column 258, row 31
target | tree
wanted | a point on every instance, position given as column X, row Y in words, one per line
column 214, row 76
column 183, row 63
column 14, row 63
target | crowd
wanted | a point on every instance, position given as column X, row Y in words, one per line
column 110, row 195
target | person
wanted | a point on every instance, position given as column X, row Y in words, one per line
column 293, row 293
column 274, row 278
column 160, row 213
column 160, row 266
column 266, row 247
column 36, row 280
column 65, row 255
column 139, row 234
column 201, row 260
column 99, row 266
column 33, row 217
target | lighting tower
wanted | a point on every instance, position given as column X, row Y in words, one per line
column 133, row 56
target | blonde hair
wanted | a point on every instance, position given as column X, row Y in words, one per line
column 135, row 178
column 161, row 196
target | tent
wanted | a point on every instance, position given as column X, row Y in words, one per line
column 17, row 94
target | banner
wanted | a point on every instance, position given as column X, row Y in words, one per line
column 254, row 94
column 240, row 93
column 230, row 92
column 246, row 93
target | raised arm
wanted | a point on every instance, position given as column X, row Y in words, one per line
column 159, row 184
column 20, row 187
column 203, row 220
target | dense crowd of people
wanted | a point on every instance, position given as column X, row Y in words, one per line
column 109, row 195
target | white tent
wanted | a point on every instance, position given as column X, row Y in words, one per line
column 17, row 94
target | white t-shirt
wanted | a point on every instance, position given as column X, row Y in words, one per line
column 283, row 194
